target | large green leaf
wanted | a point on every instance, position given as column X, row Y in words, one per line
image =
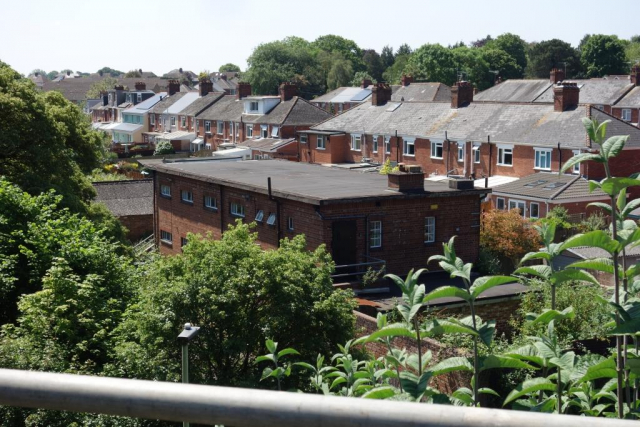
column 487, row 331
column 380, row 393
column 614, row 145
column 598, row 264
column 483, row 284
column 612, row 186
column 287, row 351
column 632, row 327
column 447, row 292
column 535, row 255
column 604, row 206
column 271, row 346
column 604, row 369
column 436, row 327
column 550, row 315
column 571, row 275
column 629, row 207
column 566, row 361
column 450, row 365
column 529, row 353
column 494, row 361
column 581, row 158
column 413, row 385
column 542, row 271
column 598, row 238
column 393, row 330
column 527, row 387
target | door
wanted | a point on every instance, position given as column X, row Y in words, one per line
column 343, row 243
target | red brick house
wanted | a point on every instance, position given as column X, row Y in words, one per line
column 399, row 219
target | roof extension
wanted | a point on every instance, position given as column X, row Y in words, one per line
column 550, row 187
column 125, row 198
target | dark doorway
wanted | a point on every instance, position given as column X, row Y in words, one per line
column 343, row 244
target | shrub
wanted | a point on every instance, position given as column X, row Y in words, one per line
column 163, row 147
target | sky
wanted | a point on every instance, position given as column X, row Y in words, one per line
column 197, row 35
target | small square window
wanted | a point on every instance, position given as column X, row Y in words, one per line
column 436, row 149
column 505, row 156
column 430, row 229
column 210, row 202
column 237, row 209
column 303, row 138
column 253, row 106
column 186, row 196
column 165, row 190
column 272, row 219
column 260, row 216
column 320, row 142
column 409, row 147
column 626, row 114
column 166, row 237
column 500, row 204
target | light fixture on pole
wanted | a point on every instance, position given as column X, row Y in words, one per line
column 188, row 333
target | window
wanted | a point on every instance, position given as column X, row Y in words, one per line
column 186, row 196
column 139, row 97
column 543, row 159
column 219, row 127
column 230, row 129
column 626, row 114
column 356, row 142
column 576, row 167
column 207, row 127
column 505, row 155
column 152, row 119
column 260, row 216
column 183, row 121
column 290, row 223
column 275, row 131
column 340, row 107
column 197, row 125
column 237, row 209
column 253, row 106
column 375, row 143
column 164, row 122
column 264, row 131
column 272, row 219
column 165, row 191
column 320, row 142
column 476, row 153
column 375, row 234
column 210, row 202
column 436, row 149
column 249, row 131
column 166, row 237
column 173, row 121
column 237, row 130
column 518, row 204
column 409, row 145
column 183, row 242
column 534, row 210
column 460, row 152
column 500, row 204
column 430, row 229
column 387, row 144
column 303, row 138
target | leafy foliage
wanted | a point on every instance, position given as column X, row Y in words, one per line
column 603, row 55
column 163, row 147
column 507, row 235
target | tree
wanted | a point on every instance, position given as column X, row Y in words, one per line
column 347, row 48
column 110, row 71
column 603, row 55
column 229, row 67
column 434, row 63
column 373, row 63
column 133, row 74
column 52, row 75
column 481, row 42
column 340, row 73
column 101, row 86
column 359, row 77
column 393, row 74
column 387, row 57
column 514, row 46
column 39, row 71
column 404, row 49
column 239, row 295
column 501, row 61
column 163, row 147
column 473, row 67
column 550, row 54
column 508, row 235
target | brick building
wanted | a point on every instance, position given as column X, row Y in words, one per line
column 131, row 202
column 400, row 219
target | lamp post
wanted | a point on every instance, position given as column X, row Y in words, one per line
column 188, row 333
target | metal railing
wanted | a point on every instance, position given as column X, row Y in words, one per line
column 357, row 269
column 251, row 408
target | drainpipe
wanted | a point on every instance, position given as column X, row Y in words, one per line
column 397, row 148
column 560, row 159
column 446, row 138
column 490, row 153
column 277, row 209
column 222, row 209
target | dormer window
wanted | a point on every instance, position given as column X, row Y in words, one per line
column 253, row 106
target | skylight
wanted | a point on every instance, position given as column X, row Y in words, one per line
column 535, row 183
column 554, row 185
column 393, row 107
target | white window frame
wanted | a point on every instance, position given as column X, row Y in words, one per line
column 251, row 106
column 290, row 223
column 173, row 121
column 259, row 216
column 166, row 193
column 429, row 229
column 356, row 142
column 540, row 154
column 220, row 127
column 231, row 133
column 434, row 149
column 275, row 131
column 264, row 131
column 387, row 145
column 409, row 147
column 476, row 153
column 237, row 209
column 375, row 143
column 152, row 119
column 207, row 127
column 237, row 130
column 461, row 152
column 272, row 218
column 197, row 125
column 303, row 138
column 531, row 205
column 139, row 97
column 375, row 234
column 576, row 167
column 210, row 202
column 166, row 237
column 186, row 196
column 320, row 142
column 504, row 203
column 517, row 203
column 249, row 131
column 625, row 114
column 183, row 121
column 502, row 149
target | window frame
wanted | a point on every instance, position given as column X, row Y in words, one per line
column 212, row 206
column 219, row 127
column 356, row 142
column 172, row 120
column 162, row 192
column 406, row 144
column 323, row 146
column 461, row 150
column 207, row 127
column 504, row 203
column 152, row 119
column 476, row 153
column 537, row 205
column 183, row 242
column 163, row 237
column 501, row 154
column 576, row 167
column 271, row 219
column 375, row 234
column 264, row 131
column 622, row 114
column 183, row 121
column 237, row 210
column 189, row 199
column 303, row 138
column 434, row 149
column 257, row 105
column 387, row 145
column 290, row 223
column 538, row 155
column 375, row 143
column 429, row 236
column 249, row 131
column 259, row 216
column 275, row 131
column 516, row 202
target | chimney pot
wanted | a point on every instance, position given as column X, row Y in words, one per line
column 461, row 94
column 205, row 86
column 243, row 90
column 174, row 87
column 141, row 85
column 380, row 94
column 366, row 83
column 556, row 76
column 566, row 96
column 287, row 91
column 409, row 179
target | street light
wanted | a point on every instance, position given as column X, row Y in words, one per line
column 188, row 333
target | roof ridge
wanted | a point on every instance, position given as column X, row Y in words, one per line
column 564, row 187
column 293, row 104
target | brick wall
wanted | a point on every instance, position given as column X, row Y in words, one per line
column 573, row 208
column 139, row 226
column 500, row 310
column 617, row 112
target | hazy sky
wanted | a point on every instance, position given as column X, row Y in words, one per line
column 161, row 35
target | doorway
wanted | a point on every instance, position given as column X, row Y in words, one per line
column 344, row 244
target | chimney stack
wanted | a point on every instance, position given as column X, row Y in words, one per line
column 287, row 91
column 243, row 90
column 461, row 94
column 205, row 86
column 556, row 76
column 174, row 87
column 406, row 80
column 635, row 75
column 365, row 83
column 409, row 178
column 141, row 85
column 380, row 94
column 565, row 96
column 118, row 87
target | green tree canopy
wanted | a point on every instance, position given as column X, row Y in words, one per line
column 339, row 74
column 373, row 63
column 501, row 61
column 514, row 46
column 359, row 77
column 404, row 49
column 109, row 71
column 434, row 63
column 473, row 66
column 133, row 74
column 101, row 86
column 603, row 55
column 39, row 71
column 393, row 74
column 550, row 54
column 52, row 74
column 239, row 295
column 229, row 67
column 387, row 57
column 347, row 48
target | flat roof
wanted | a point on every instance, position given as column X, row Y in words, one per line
column 309, row 183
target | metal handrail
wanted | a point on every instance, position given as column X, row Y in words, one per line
column 250, row 408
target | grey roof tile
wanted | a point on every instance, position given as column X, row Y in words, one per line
column 124, row 198
column 422, row 92
column 606, row 91
column 514, row 91
column 550, row 187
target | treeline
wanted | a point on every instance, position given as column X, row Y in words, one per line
column 332, row 61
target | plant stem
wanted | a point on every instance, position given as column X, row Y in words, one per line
column 616, row 278
column 559, row 391
column 397, row 367
column 417, row 325
column 626, row 337
column 476, row 376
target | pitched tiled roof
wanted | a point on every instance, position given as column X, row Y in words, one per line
column 76, row 89
column 514, row 91
column 631, row 99
column 266, row 144
column 167, row 102
column 301, row 113
column 422, row 92
column 345, row 94
column 200, row 104
column 588, row 252
column 607, row 90
column 550, row 187
column 124, row 198
column 227, row 108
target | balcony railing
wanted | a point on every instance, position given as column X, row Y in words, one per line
column 354, row 271
column 240, row 407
